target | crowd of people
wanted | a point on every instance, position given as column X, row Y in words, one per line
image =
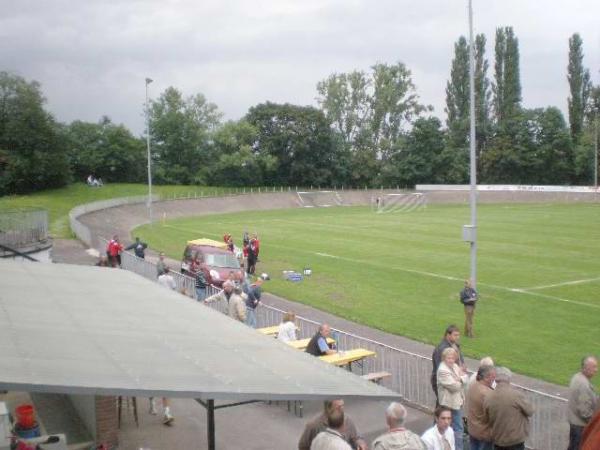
column 479, row 412
column 483, row 411
column 249, row 252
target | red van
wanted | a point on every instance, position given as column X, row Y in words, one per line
column 217, row 261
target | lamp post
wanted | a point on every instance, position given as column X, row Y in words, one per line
column 149, row 203
column 473, row 156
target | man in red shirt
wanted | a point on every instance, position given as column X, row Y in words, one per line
column 113, row 251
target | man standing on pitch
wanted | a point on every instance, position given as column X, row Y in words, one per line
column 468, row 297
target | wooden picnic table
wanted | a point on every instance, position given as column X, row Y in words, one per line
column 270, row 331
column 348, row 357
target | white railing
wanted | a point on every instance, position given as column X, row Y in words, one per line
column 22, row 228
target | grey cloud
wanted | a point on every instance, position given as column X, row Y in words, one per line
column 92, row 56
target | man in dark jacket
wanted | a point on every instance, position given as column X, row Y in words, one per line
column 451, row 338
column 468, row 297
column 138, row 248
column 317, row 346
column 252, row 300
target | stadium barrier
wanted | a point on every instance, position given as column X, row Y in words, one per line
column 82, row 232
column 410, row 371
column 22, row 228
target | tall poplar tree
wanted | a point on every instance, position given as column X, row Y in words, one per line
column 507, row 77
column 579, row 86
column 482, row 95
column 457, row 96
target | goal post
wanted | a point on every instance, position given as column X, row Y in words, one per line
column 399, row 202
column 319, row 199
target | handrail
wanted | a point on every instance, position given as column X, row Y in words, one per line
column 18, row 253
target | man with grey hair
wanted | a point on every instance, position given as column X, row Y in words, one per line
column 480, row 433
column 583, row 400
column 398, row 437
column 508, row 413
column 235, row 304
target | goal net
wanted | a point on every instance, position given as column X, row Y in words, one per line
column 319, row 199
column 406, row 202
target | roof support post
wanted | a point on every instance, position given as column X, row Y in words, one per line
column 210, row 423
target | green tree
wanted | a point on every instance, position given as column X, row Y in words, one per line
column 419, row 159
column 181, row 132
column 31, row 155
column 579, row 86
column 238, row 163
column 298, row 141
column 370, row 113
column 554, row 148
column 105, row 150
column 507, row 86
column 483, row 127
column 457, row 97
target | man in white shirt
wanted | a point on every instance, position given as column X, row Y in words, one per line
column 440, row 436
column 166, row 280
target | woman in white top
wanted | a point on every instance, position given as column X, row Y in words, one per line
column 287, row 328
column 451, row 380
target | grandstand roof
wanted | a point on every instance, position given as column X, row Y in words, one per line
column 94, row 330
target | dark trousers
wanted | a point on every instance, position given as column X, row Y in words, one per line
column 575, row 432
column 520, row 446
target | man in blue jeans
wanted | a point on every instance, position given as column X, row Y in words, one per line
column 252, row 301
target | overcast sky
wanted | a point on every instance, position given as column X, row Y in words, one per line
column 92, row 56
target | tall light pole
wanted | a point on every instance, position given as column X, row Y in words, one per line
column 596, row 149
column 472, row 235
column 149, row 203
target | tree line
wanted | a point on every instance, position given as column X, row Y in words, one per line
column 369, row 129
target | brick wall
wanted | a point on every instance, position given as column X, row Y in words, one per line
column 107, row 430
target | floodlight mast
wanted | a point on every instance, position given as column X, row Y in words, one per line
column 149, row 203
column 473, row 156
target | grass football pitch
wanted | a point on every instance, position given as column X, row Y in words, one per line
column 538, row 272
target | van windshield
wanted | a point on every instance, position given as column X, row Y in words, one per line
column 222, row 260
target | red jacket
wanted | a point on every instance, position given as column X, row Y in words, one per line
column 114, row 248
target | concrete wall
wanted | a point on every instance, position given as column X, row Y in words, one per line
column 85, row 405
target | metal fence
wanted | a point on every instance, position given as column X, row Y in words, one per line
column 22, row 228
column 410, row 371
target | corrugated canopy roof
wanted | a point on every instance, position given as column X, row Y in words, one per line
column 93, row 330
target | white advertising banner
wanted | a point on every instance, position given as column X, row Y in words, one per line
column 507, row 187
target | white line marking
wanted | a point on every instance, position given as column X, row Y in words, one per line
column 327, row 255
column 566, row 283
column 419, row 272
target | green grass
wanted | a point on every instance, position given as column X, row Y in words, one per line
column 402, row 272
column 59, row 202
